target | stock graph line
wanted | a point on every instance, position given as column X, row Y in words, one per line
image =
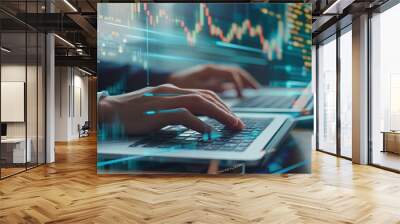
column 235, row 32
column 273, row 33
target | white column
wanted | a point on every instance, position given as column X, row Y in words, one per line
column 50, row 92
column 360, row 90
column 50, row 99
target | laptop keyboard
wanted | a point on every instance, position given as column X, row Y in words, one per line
column 178, row 137
column 269, row 101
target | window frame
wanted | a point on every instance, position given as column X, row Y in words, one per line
column 334, row 37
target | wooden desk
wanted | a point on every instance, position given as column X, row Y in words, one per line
column 15, row 148
column 391, row 141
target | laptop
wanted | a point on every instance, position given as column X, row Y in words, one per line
column 295, row 101
column 261, row 134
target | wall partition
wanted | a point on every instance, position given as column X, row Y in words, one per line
column 15, row 150
column 22, row 107
column 72, row 102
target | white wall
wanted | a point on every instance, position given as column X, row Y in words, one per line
column 33, row 127
column 81, row 85
column 16, row 73
column 70, row 83
column 13, row 73
column 61, row 103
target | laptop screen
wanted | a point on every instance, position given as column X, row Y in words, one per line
column 271, row 41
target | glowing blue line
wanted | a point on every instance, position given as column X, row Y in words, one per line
column 292, row 167
column 227, row 57
column 170, row 111
column 117, row 160
column 140, row 37
column 240, row 47
column 236, row 59
column 144, row 30
column 295, row 84
column 177, row 58
column 164, row 111
column 150, row 112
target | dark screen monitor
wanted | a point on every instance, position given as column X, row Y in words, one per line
column 3, row 129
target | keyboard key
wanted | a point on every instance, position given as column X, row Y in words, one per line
column 224, row 140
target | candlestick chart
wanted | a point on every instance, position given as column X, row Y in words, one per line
column 270, row 40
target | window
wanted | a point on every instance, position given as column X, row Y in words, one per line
column 385, row 88
column 346, row 93
column 326, row 113
column 334, row 138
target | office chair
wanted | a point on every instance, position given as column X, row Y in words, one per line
column 84, row 130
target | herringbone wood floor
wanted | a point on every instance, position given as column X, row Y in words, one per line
column 69, row 191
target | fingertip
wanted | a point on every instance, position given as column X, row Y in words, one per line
column 254, row 84
column 240, row 125
column 201, row 127
column 207, row 129
column 239, row 94
column 237, row 124
column 251, row 82
column 257, row 86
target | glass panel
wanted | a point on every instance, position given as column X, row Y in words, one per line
column 346, row 94
column 385, row 86
column 32, row 88
column 41, row 99
column 31, row 97
column 13, row 85
column 23, row 80
column 327, row 96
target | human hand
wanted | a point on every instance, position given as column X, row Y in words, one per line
column 152, row 108
column 217, row 78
